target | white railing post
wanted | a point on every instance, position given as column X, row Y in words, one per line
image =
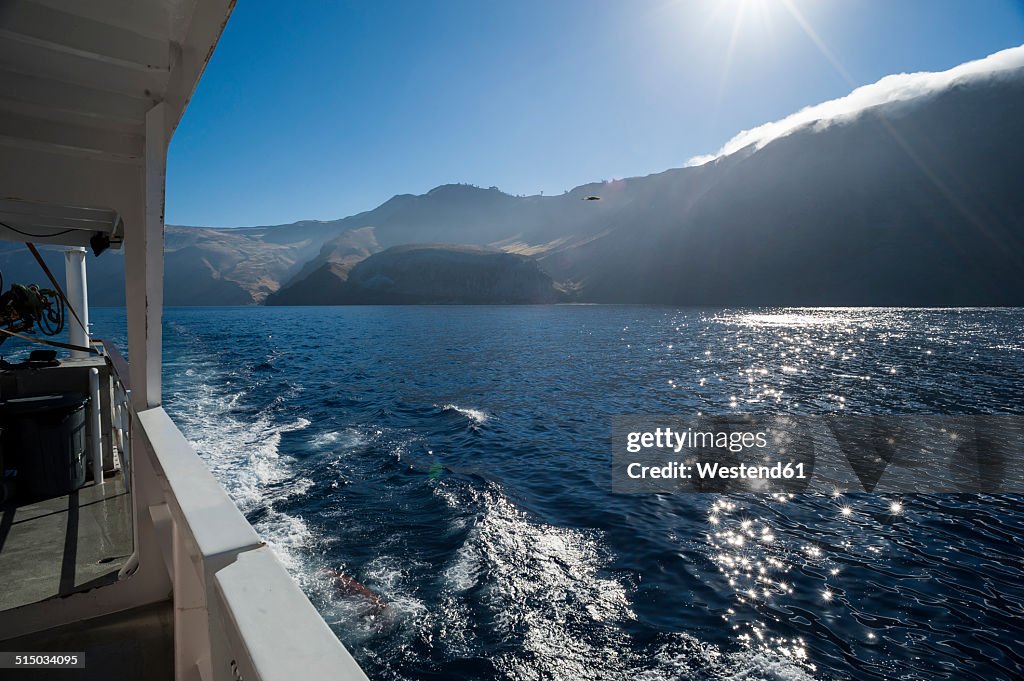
column 144, row 269
column 122, row 433
column 95, row 427
column 126, row 437
column 78, row 297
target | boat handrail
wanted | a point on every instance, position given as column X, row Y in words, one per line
column 117, row 360
column 238, row 614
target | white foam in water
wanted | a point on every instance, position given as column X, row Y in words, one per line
column 388, row 576
column 324, row 439
column 464, row 573
column 398, row 611
column 686, row 657
column 476, row 416
column 345, row 439
column 544, row 584
column 287, row 536
column 245, row 457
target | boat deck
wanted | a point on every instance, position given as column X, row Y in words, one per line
column 69, row 543
column 133, row 645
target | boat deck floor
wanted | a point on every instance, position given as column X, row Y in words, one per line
column 132, row 645
column 65, row 544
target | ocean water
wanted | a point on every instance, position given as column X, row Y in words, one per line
column 454, row 464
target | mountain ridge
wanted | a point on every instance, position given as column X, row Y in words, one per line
column 877, row 206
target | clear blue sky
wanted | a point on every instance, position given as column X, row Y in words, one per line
column 320, row 109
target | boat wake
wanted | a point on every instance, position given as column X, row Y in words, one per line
column 549, row 598
column 538, row 600
column 453, row 537
column 542, row 585
column 244, row 453
column 685, row 657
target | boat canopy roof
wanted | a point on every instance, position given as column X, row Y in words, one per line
column 77, row 82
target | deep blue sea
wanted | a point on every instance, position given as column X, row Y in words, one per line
column 455, row 461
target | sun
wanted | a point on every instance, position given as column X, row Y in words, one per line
column 750, row 22
column 756, row 26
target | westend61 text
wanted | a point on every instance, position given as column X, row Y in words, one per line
column 715, row 471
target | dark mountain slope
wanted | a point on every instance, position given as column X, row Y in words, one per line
column 426, row 274
column 915, row 204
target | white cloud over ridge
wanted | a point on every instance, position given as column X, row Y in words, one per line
column 899, row 87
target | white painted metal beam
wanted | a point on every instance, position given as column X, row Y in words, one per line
column 144, row 269
column 22, row 93
column 61, row 180
column 28, row 210
column 63, row 31
column 37, row 60
column 40, row 238
column 61, row 137
column 46, row 224
column 40, row 184
column 161, row 19
column 51, row 223
column 77, row 290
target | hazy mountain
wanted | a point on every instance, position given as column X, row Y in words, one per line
column 906, row 192
column 241, row 266
column 916, row 200
column 202, row 266
column 914, row 203
column 430, row 273
column 341, row 253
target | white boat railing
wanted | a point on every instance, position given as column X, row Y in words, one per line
column 238, row 614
